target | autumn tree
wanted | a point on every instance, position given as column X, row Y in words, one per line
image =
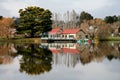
column 96, row 28
column 34, row 20
column 5, row 25
column 103, row 30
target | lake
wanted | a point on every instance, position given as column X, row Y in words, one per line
column 60, row 61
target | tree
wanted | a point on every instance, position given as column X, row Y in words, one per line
column 115, row 18
column 5, row 25
column 111, row 19
column 85, row 16
column 16, row 22
column 1, row 17
column 34, row 20
column 119, row 18
column 35, row 60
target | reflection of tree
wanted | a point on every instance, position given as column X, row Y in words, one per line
column 110, row 57
column 89, row 53
column 34, row 60
column 110, row 52
column 7, row 53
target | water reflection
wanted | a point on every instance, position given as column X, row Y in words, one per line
column 70, row 54
column 98, row 52
column 34, row 60
column 7, row 53
column 63, row 53
column 40, row 58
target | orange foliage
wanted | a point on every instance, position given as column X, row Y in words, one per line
column 5, row 25
column 102, row 29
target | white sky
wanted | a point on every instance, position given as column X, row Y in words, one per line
column 97, row 8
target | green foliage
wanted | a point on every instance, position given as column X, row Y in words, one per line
column 16, row 22
column 111, row 19
column 34, row 20
column 1, row 17
column 85, row 16
column 35, row 60
column 119, row 18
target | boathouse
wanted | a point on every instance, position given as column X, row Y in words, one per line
column 60, row 34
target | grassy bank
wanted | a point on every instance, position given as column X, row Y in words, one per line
column 38, row 40
column 28, row 40
column 22, row 40
column 110, row 39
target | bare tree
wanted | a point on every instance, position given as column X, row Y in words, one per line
column 66, row 20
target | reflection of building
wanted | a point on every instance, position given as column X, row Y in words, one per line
column 60, row 34
column 64, row 53
column 70, row 54
column 59, row 45
column 67, row 59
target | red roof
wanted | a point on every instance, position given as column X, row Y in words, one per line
column 65, row 50
column 54, row 31
column 70, row 31
column 65, row 31
column 74, row 51
column 54, row 51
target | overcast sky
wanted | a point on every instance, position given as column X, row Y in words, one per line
column 97, row 8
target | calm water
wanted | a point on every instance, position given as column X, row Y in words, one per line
column 60, row 61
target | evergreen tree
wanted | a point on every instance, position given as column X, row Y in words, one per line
column 34, row 20
column 1, row 17
column 111, row 19
column 85, row 16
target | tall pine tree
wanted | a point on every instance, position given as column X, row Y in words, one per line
column 34, row 20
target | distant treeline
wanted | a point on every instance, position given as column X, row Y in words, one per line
column 34, row 21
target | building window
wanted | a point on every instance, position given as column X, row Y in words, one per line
column 51, row 36
column 86, row 36
column 50, row 45
column 119, row 29
column 63, row 36
column 66, row 45
column 71, row 36
column 71, row 45
column 58, row 36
